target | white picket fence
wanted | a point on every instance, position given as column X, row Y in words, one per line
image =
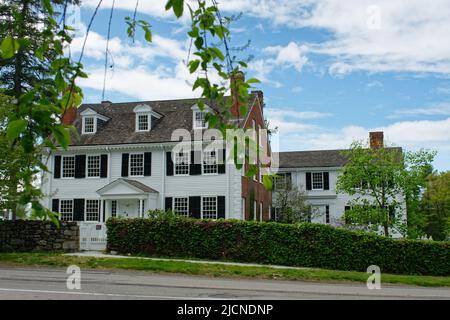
column 92, row 236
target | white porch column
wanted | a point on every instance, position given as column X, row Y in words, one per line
column 107, row 209
column 101, row 211
column 140, row 209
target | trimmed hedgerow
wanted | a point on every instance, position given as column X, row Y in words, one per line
column 304, row 245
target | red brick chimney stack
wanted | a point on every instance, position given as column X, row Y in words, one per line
column 69, row 115
column 260, row 95
column 235, row 79
column 376, row 139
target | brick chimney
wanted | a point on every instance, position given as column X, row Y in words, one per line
column 69, row 116
column 376, row 139
column 106, row 103
column 235, row 79
column 260, row 95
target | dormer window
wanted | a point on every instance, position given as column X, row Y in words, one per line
column 199, row 117
column 144, row 117
column 89, row 125
column 91, row 120
column 200, row 120
column 143, row 124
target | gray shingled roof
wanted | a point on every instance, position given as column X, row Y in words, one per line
column 315, row 158
column 120, row 128
column 140, row 185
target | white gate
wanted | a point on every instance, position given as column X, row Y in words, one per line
column 92, row 236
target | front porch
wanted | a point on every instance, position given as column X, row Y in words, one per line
column 127, row 198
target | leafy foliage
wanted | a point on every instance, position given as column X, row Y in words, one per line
column 381, row 180
column 305, row 245
column 436, row 206
column 291, row 206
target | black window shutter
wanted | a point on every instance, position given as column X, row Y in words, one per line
column 168, row 203
column 169, row 164
column 80, row 166
column 195, row 207
column 147, row 164
column 326, row 181
column 327, row 214
column 221, row 207
column 55, row 205
column 125, row 159
column 221, row 166
column 57, row 167
column 104, row 166
column 195, row 169
column 308, row 181
column 78, row 209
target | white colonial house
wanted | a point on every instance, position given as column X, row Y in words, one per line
column 120, row 164
column 316, row 174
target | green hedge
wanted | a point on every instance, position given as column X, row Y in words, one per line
column 305, row 245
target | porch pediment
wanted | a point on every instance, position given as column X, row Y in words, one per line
column 125, row 187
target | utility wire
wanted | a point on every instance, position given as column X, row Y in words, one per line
column 107, row 50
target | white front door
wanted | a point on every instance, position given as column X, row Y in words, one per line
column 128, row 208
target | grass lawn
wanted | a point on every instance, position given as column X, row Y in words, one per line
column 158, row 266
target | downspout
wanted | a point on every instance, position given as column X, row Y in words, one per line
column 163, row 184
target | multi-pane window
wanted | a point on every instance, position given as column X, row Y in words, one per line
column 209, row 162
column 283, row 181
column 68, row 167
column 66, row 210
column 317, row 180
column 92, row 210
column 200, row 120
column 209, row 207
column 143, row 122
column 93, row 166
column 137, row 164
column 181, row 206
column 182, row 163
column 113, row 208
column 89, row 124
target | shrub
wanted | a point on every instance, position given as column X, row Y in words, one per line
column 304, row 245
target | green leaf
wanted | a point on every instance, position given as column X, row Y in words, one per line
column 216, row 52
column 253, row 80
column 15, row 128
column 267, row 182
column 48, row 6
column 9, row 47
column 178, row 6
column 193, row 65
column 198, row 42
column 252, row 170
column 148, row 35
column 62, row 136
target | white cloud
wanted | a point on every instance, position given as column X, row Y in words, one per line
column 290, row 56
column 281, row 113
column 441, row 109
column 144, row 84
column 124, row 54
column 441, row 90
column 374, row 84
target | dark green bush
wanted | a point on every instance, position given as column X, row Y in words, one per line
column 304, row 245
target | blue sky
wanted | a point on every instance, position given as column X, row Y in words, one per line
column 331, row 71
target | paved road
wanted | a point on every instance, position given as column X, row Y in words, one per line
column 27, row 283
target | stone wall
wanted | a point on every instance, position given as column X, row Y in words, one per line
column 34, row 236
